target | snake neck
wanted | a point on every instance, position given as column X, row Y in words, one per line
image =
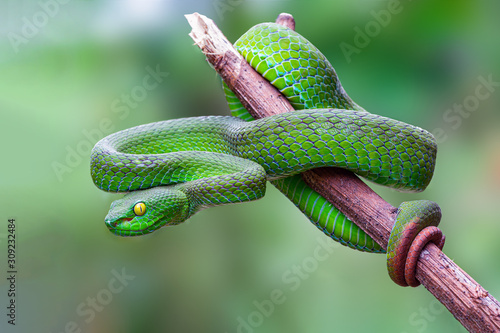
column 160, row 153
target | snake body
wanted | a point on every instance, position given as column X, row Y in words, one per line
column 175, row 168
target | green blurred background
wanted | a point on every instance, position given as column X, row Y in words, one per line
column 64, row 71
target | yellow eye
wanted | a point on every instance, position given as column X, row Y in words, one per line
column 140, row 208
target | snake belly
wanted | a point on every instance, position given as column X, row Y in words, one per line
column 307, row 79
column 173, row 169
column 304, row 75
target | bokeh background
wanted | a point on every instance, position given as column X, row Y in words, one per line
column 65, row 70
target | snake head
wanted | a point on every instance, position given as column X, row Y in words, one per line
column 142, row 212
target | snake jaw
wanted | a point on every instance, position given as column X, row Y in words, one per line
column 114, row 224
column 121, row 220
column 129, row 226
column 118, row 224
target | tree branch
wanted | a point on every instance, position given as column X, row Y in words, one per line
column 471, row 304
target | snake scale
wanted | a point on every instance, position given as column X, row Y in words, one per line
column 174, row 168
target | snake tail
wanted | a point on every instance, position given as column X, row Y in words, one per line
column 415, row 226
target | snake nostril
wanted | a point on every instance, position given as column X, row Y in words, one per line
column 110, row 224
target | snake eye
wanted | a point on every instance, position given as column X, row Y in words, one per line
column 140, row 208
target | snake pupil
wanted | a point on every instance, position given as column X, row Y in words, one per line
column 140, row 209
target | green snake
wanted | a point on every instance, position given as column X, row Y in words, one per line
column 174, row 168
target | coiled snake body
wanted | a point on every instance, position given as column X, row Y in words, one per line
column 174, row 168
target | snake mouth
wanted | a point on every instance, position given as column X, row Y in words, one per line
column 117, row 226
column 122, row 227
column 114, row 224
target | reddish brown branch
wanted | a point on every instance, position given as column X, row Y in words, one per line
column 286, row 20
column 477, row 310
